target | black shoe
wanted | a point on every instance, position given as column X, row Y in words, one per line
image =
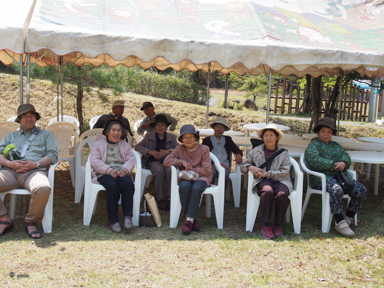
column 162, row 204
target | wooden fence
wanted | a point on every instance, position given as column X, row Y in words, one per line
column 288, row 97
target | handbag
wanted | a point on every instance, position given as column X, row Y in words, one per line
column 344, row 182
column 146, row 218
column 189, row 175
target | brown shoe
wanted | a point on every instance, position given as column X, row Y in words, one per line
column 187, row 228
column 343, row 229
column 196, row 226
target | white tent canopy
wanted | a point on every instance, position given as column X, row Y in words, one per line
column 14, row 20
column 290, row 37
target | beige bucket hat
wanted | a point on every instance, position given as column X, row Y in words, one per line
column 222, row 121
column 270, row 126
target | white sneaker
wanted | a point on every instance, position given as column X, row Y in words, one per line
column 343, row 229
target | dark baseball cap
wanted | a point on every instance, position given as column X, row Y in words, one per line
column 146, row 105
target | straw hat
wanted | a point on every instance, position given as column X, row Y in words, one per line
column 222, row 121
column 270, row 126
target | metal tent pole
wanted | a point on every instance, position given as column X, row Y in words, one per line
column 21, row 102
column 209, row 74
column 57, row 93
column 61, row 84
column 28, row 76
column 269, row 94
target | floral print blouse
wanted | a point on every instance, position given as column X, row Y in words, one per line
column 321, row 157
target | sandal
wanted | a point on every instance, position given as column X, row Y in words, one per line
column 34, row 231
column 9, row 228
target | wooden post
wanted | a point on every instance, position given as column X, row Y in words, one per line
column 298, row 92
column 290, row 98
column 283, row 96
column 276, row 96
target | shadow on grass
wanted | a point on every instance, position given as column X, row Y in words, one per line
column 68, row 221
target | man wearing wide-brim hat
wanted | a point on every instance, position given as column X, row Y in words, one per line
column 27, row 167
column 149, row 111
column 222, row 146
column 154, row 147
column 117, row 113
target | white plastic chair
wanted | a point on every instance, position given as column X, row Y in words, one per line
column 64, row 141
column 217, row 191
column 296, row 197
column 7, row 124
column 326, row 217
column 48, row 213
column 93, row 121
column 4, row 131
column 12, row 119
column 235, row 178
column 68, row 125
column 66, row 118
column 90, row 133
column 135, row 127
column 146, row 176
column 80, row 165
column 92, row 190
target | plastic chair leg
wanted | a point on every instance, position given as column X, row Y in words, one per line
column 307, row 197
column 175, row 211
column 253, row 203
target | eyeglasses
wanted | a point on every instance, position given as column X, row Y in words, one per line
column 29, row 115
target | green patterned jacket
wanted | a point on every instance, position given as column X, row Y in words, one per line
column 321, row 157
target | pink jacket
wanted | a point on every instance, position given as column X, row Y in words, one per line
column 199, row 159
column 99, row 156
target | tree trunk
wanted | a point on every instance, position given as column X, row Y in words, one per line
column 307, row 95
column 330, row 107
column 316, row 102
column 79, row 106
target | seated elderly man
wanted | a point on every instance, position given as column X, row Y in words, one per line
column 25, row 156
column 149, row 111
column 222, row 146
column 117, row 113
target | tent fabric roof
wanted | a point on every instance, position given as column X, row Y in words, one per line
column 14, row 20
column 290, row 37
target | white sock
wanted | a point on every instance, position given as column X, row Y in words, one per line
column 190, row 219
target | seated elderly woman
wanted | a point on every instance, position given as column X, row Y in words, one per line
column 155, row 147
column 112, row 160
column 195, row 159
column 271, row 166
column 326, row 156
column 222, row 147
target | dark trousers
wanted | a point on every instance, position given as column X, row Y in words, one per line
column 115, row 187
column 190, row 195
column 269, row 190
column 216, row 175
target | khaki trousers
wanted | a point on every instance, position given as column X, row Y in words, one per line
column 159, row 173
column 36, row 182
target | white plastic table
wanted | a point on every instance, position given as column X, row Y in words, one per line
column 371, row 140
column 209, row 132
column 258, row 126
column 371, row 157
column 337, row 139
